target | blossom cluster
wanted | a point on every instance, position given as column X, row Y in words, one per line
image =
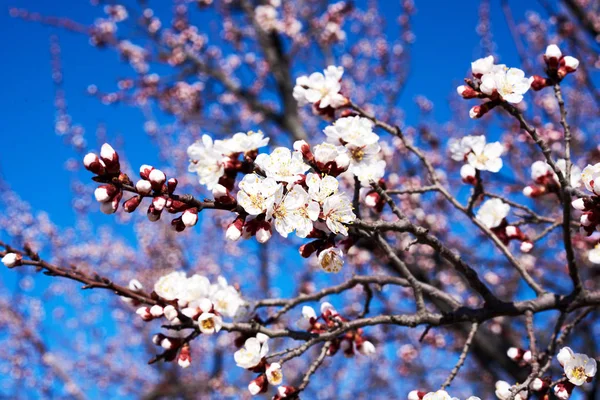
column 590, row 207
column 187, row 303
column 153, row 183
column 291, row 191
column 479, row 155
column 218, row 162
column 492, row 214
column 495, row 82
column 322, row 90
column 252, row 356
column 350, row 343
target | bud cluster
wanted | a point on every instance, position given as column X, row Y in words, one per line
column 349, row 343
column 153, row 183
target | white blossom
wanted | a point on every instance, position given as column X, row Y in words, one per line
column 266, row 17
column 255, row 193
column 509, row 83
column 492, row 212
column 369, row 172
column 293, row 211
column 589, row 175
column 274, row 374
column 482, row 65
column 460, row 148
column 209, row 323
column 206, row 161
column 327, row 152
column 249, row 356
column 321, row 88
column 226, row 299
column 337, row 211
column 578, row 367
column 354, row 131
column 486, row 157
column 282, row 165
column 321, row 188
column 246, row 142
column 171, row 286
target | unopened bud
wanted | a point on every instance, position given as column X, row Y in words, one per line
column 159, row 203
column 539, row 82
column 170, row 312
column 144, row 312
column 153, row 215
column 94, row 164
column 143, row 187
column 234, row 231
column 366, row 348
column 110, row 158
column 263, row 234
column 156, row 311
column 132, row 204
column 11, row 260
column 171, row 185
column 466, row 92
column 258, row 385
column 105, row 193
column 190, row 217
column 468, row 174
column 157, row 178
column 185, row 359
column 145, row 171
column 578, row 204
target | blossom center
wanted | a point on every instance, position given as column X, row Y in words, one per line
column 579, row 372
column 208, row 323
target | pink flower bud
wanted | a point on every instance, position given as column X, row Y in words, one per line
column 527, row 355
column 258, row 385
column 144, row 312
column 157, row 178
column 159, row 203
column 156, row 339
column 143, row 187
column 11, row 260
column 342, row 162
column 539, row 82
column 285, row 391
column 145, row 171
column 94, row 164
column 185, row 359
column 132, row 204
column 416, row 395
column 170, row 312
column 372, row 199
column 466, row 92
column 105, row 193
column 190, row 217
column 111, row 206
column 110, row 158
column 571, row 63
column 177, row 225
column 171, row 185
column 153, row 215
column 585, row 220
column 514, row 353
column 538, row 385
column 468, row 174
column 167, row 344
column 234, row 231
column 552, row 52
column 156, row 311
column 366, row 348
column 578, row 204
column 561, row 391
column 263, row 234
